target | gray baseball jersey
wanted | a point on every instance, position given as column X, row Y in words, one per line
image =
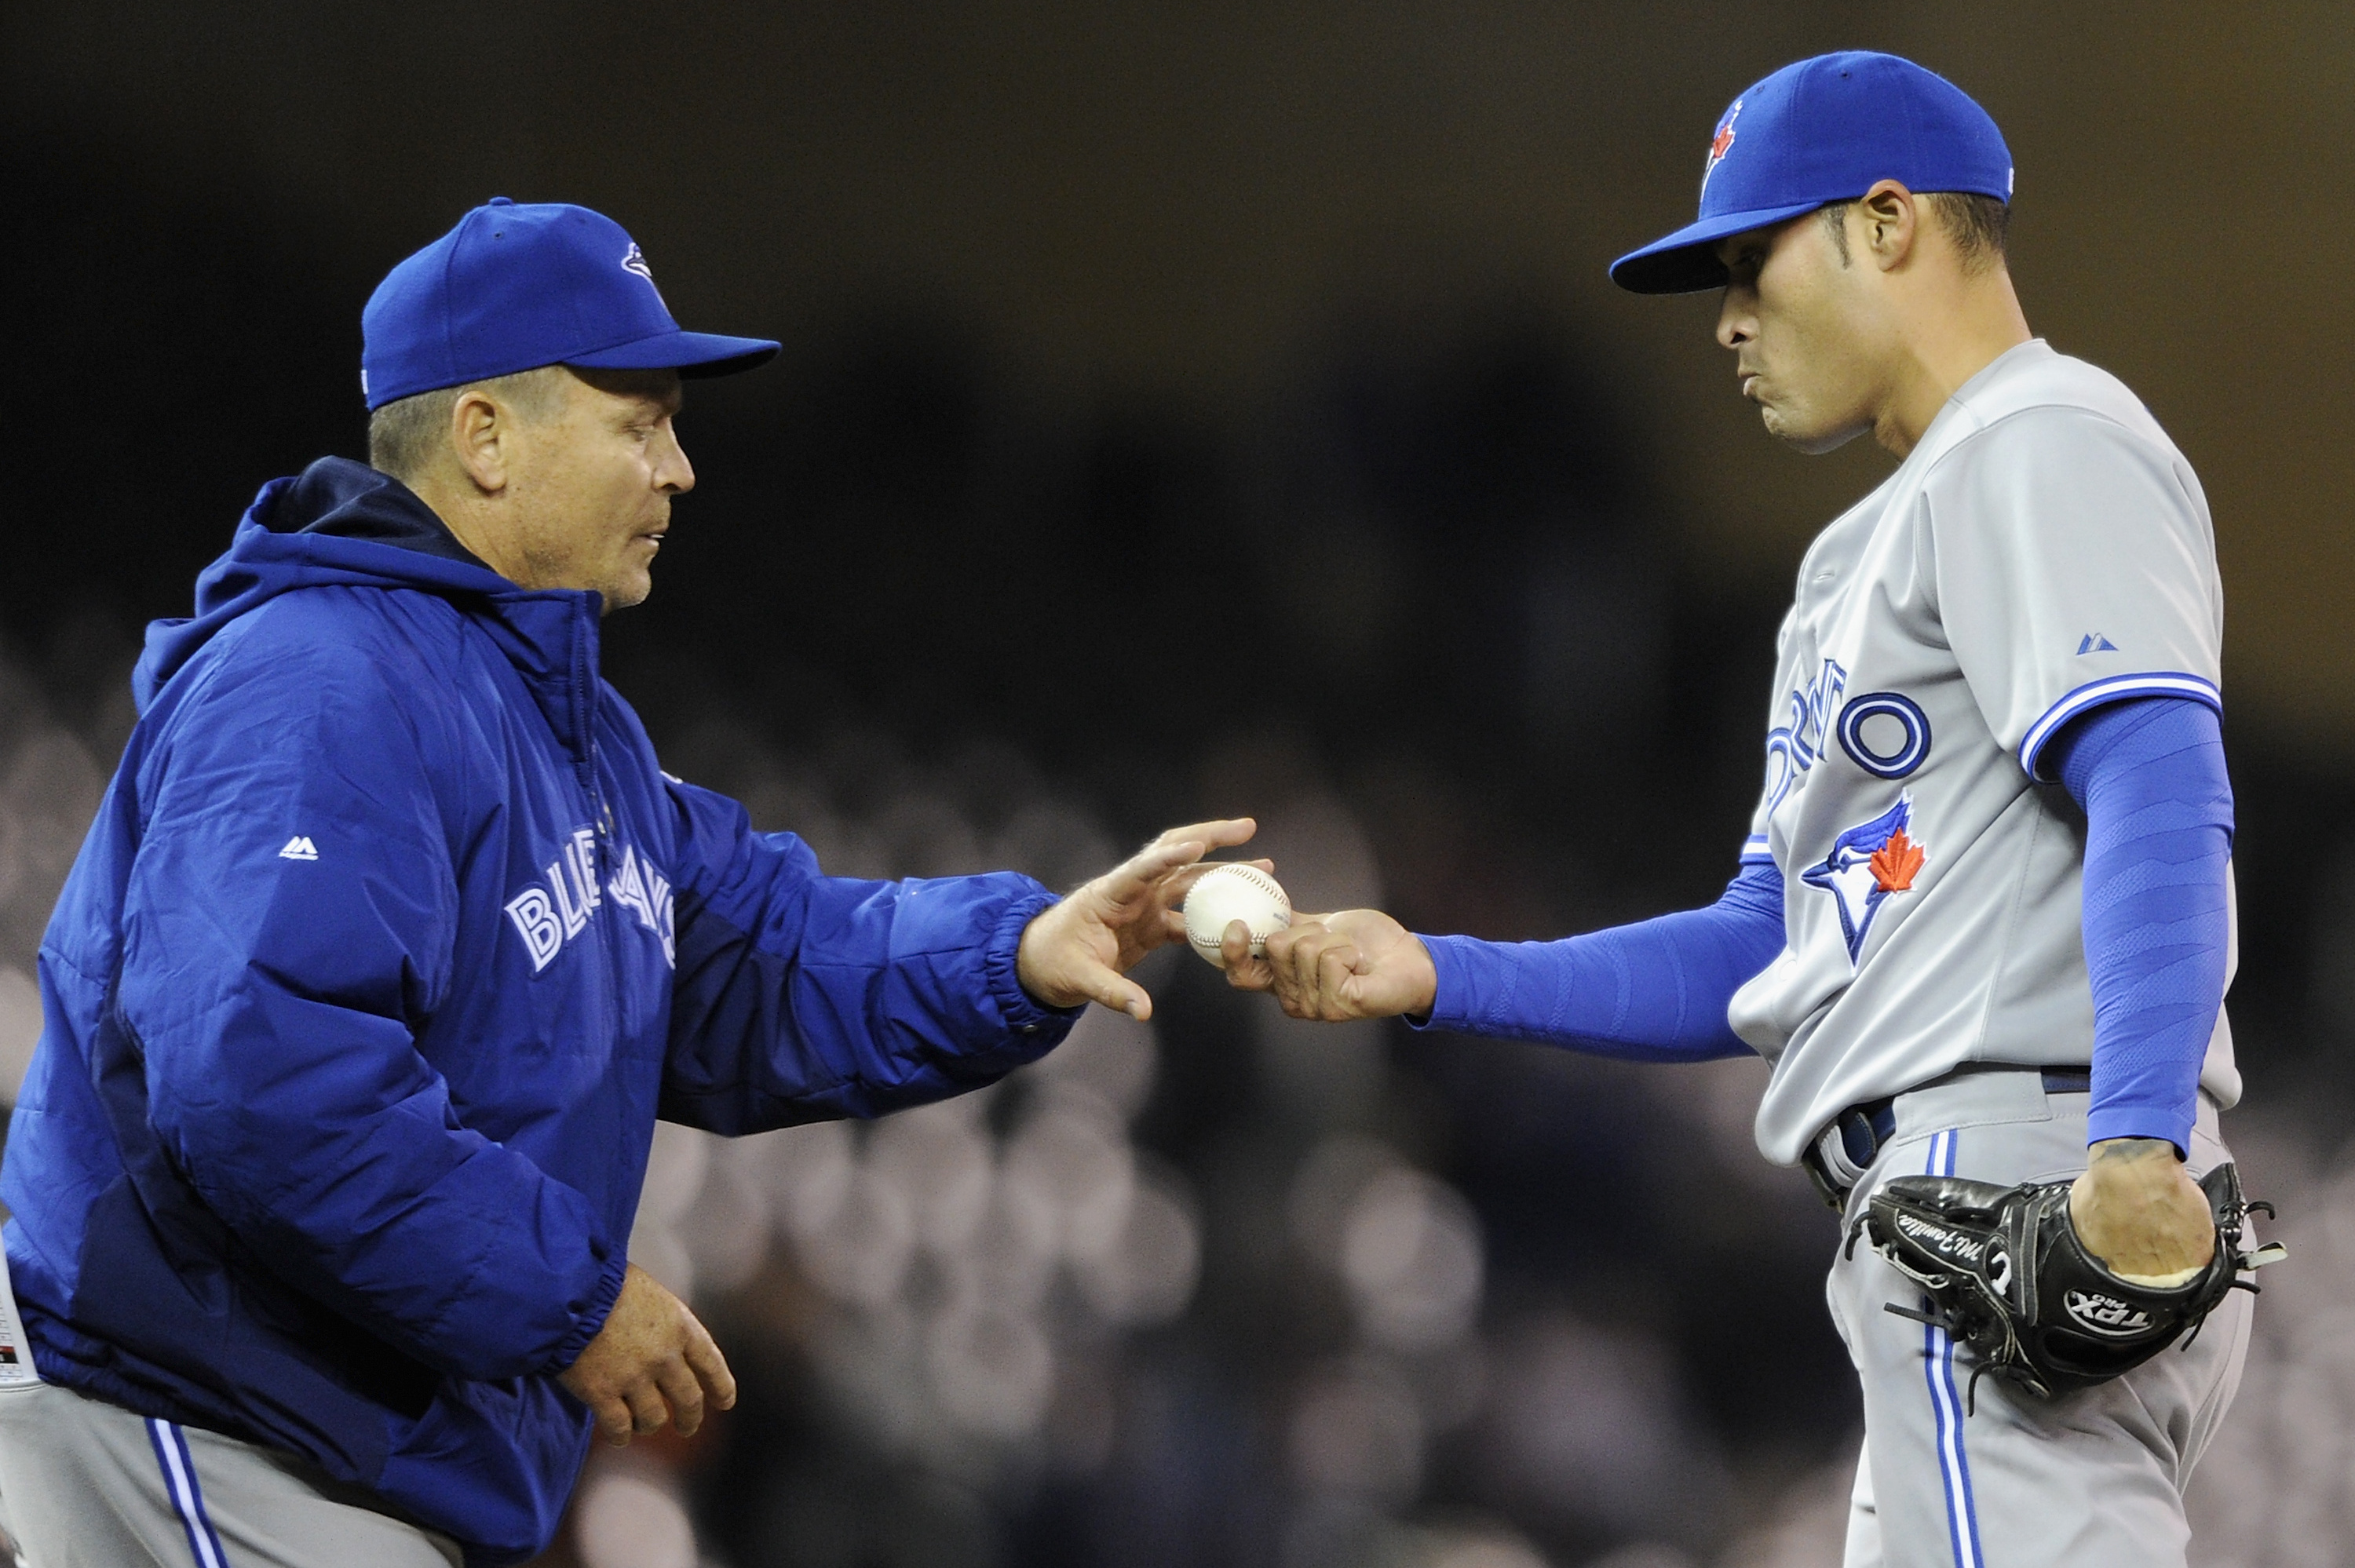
column 2043, row 550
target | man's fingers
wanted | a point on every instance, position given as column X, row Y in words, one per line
column 684, row 1394
column 1249, row 974
column 1335, row 965
column 1148, row 865
column 647, row 1410
column 1283, row 954
column 703, row 1355
column 1175, row 848
column 1282, row 940
column 1224, row 833
column 1101, row 984
column 612, row 1420
column 1312, row 968
column 1176, row 885
column 1304, row 957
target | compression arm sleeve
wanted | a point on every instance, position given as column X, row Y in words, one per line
column 2158, row 838
column 1654, row 991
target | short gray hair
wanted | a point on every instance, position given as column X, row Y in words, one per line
column 403, row 434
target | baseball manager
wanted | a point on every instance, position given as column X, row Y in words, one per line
column 391, row 941
column 1983, row 921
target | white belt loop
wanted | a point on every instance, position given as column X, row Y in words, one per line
column 1831, row 1147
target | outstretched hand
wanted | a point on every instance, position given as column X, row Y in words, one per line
column 1358, row 963
column 1083, row 948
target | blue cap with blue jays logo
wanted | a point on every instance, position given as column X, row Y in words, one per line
column 1823, row 130
column 514, row 288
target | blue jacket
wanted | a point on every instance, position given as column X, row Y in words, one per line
column 389, row 946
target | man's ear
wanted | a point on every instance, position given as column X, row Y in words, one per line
column 1890, row 217
column 480, row 435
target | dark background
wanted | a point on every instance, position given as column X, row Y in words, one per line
column 1208, row 407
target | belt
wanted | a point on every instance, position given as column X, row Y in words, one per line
column 1861, row 1132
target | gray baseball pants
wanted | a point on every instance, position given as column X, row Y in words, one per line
column 2091, row 1479
column 85, row 1485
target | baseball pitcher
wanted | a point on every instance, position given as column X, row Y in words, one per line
column 1983, row 924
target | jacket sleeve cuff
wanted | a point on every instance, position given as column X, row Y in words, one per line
column 590, row 1316
column 1024, row 1013
column 2107, row 1122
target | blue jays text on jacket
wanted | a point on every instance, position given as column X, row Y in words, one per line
column 386, row 949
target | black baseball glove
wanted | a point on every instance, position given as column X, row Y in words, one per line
column 2004, row 1274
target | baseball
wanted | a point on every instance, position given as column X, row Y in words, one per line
column 1232, row 893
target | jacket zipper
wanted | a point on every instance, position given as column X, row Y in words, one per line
column 584, row 718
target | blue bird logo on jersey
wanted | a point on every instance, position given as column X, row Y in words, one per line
column 1869, row 864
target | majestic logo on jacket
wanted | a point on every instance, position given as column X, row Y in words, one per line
column 552, row 911
column 1869, row 864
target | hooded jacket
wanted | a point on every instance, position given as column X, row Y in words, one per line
column 386, row 949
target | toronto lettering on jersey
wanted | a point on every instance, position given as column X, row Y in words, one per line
column 1792, row 748
column 550, row 912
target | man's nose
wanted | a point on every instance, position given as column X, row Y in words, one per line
column 673, row 473
column 1734, row 325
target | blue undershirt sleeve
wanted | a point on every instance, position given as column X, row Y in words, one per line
column 1654, row 991
column 2150, row 774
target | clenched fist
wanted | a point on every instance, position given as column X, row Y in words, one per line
column 1358, row 963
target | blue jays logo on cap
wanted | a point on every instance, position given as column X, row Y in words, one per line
column 1823, row 130
column 1719, row 145
column 516, row 287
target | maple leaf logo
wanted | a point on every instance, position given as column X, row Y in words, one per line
column 1895, row 863
column 1720, row 143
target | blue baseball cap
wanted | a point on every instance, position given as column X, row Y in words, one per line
column 514, row 288
column 1823, row 130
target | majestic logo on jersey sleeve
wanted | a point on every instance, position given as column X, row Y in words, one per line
column 1721, row 143
column 1869, row 865
column 555, row 907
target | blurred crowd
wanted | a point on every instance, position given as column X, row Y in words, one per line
column 1225, row 1289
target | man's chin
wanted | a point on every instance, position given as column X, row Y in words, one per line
column 1815, row 441
column 631, row 590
